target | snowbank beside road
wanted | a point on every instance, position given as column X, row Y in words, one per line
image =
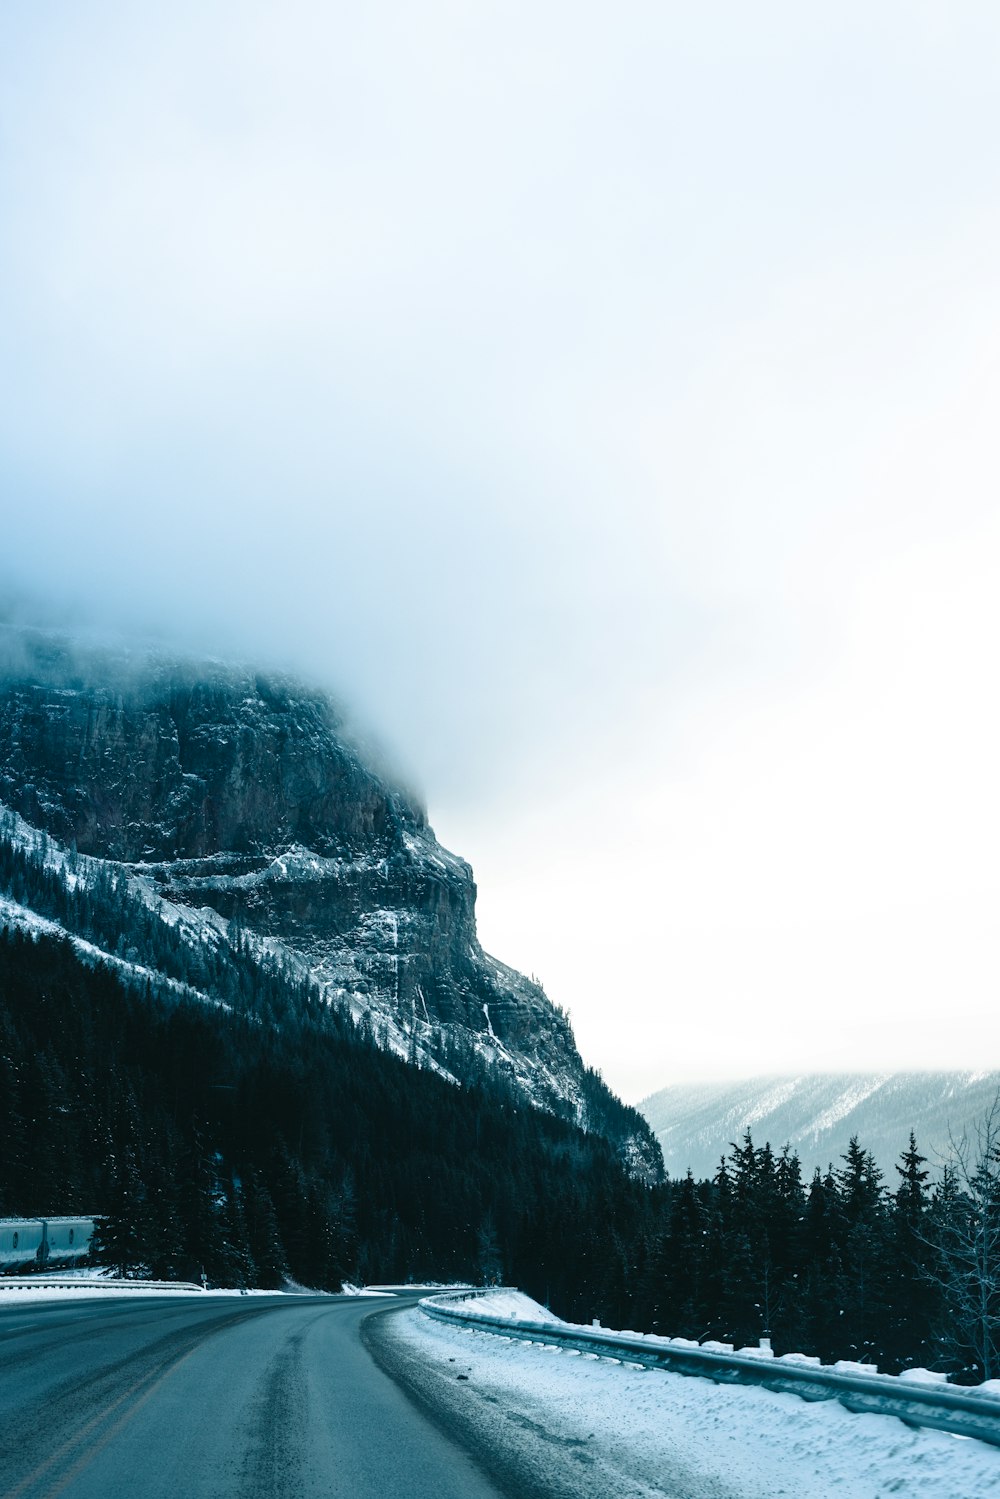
column 514, row 1304
column 591, row 1428
column 12, row 1295
column 18, row 1295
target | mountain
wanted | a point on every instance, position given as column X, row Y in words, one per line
column 256, row 1134
column 213, row 827
column 817, row 1114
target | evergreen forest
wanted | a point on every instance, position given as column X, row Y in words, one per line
column 254, row 1145
column 223, row 1120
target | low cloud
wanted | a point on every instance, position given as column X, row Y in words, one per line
column 566, row 409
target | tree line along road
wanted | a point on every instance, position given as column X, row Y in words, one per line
column 216, row 1398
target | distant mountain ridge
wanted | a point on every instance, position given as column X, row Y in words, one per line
column 817, row 1113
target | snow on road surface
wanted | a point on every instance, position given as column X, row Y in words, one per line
column 593, row 1428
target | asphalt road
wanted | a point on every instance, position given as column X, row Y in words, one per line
column 213, row 1398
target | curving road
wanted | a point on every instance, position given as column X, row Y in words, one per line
column 213, row 1398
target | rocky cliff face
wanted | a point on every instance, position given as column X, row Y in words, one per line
column 240, row 798
column 156, row 763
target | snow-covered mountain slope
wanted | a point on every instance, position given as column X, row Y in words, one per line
column 236, row 822
column 817, row 1114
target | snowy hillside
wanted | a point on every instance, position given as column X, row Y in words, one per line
column 817, row 1114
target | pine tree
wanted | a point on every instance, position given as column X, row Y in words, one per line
column 914, row 1314
column 119, row 1239
column 864, row 1253
column 263, row 1235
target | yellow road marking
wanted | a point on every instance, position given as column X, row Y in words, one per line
column 97, row 1447
column 152, row 1382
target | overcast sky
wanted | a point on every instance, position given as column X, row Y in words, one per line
column 604, row 402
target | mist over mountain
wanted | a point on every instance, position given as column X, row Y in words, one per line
column 238, row 819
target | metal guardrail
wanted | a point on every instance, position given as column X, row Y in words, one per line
column 95, row 1283
column 963, row 1412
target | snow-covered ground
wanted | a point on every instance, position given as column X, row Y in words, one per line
column 593, row 1428
column 507, row 1303
column 16, row 1296
column 77, row 1286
